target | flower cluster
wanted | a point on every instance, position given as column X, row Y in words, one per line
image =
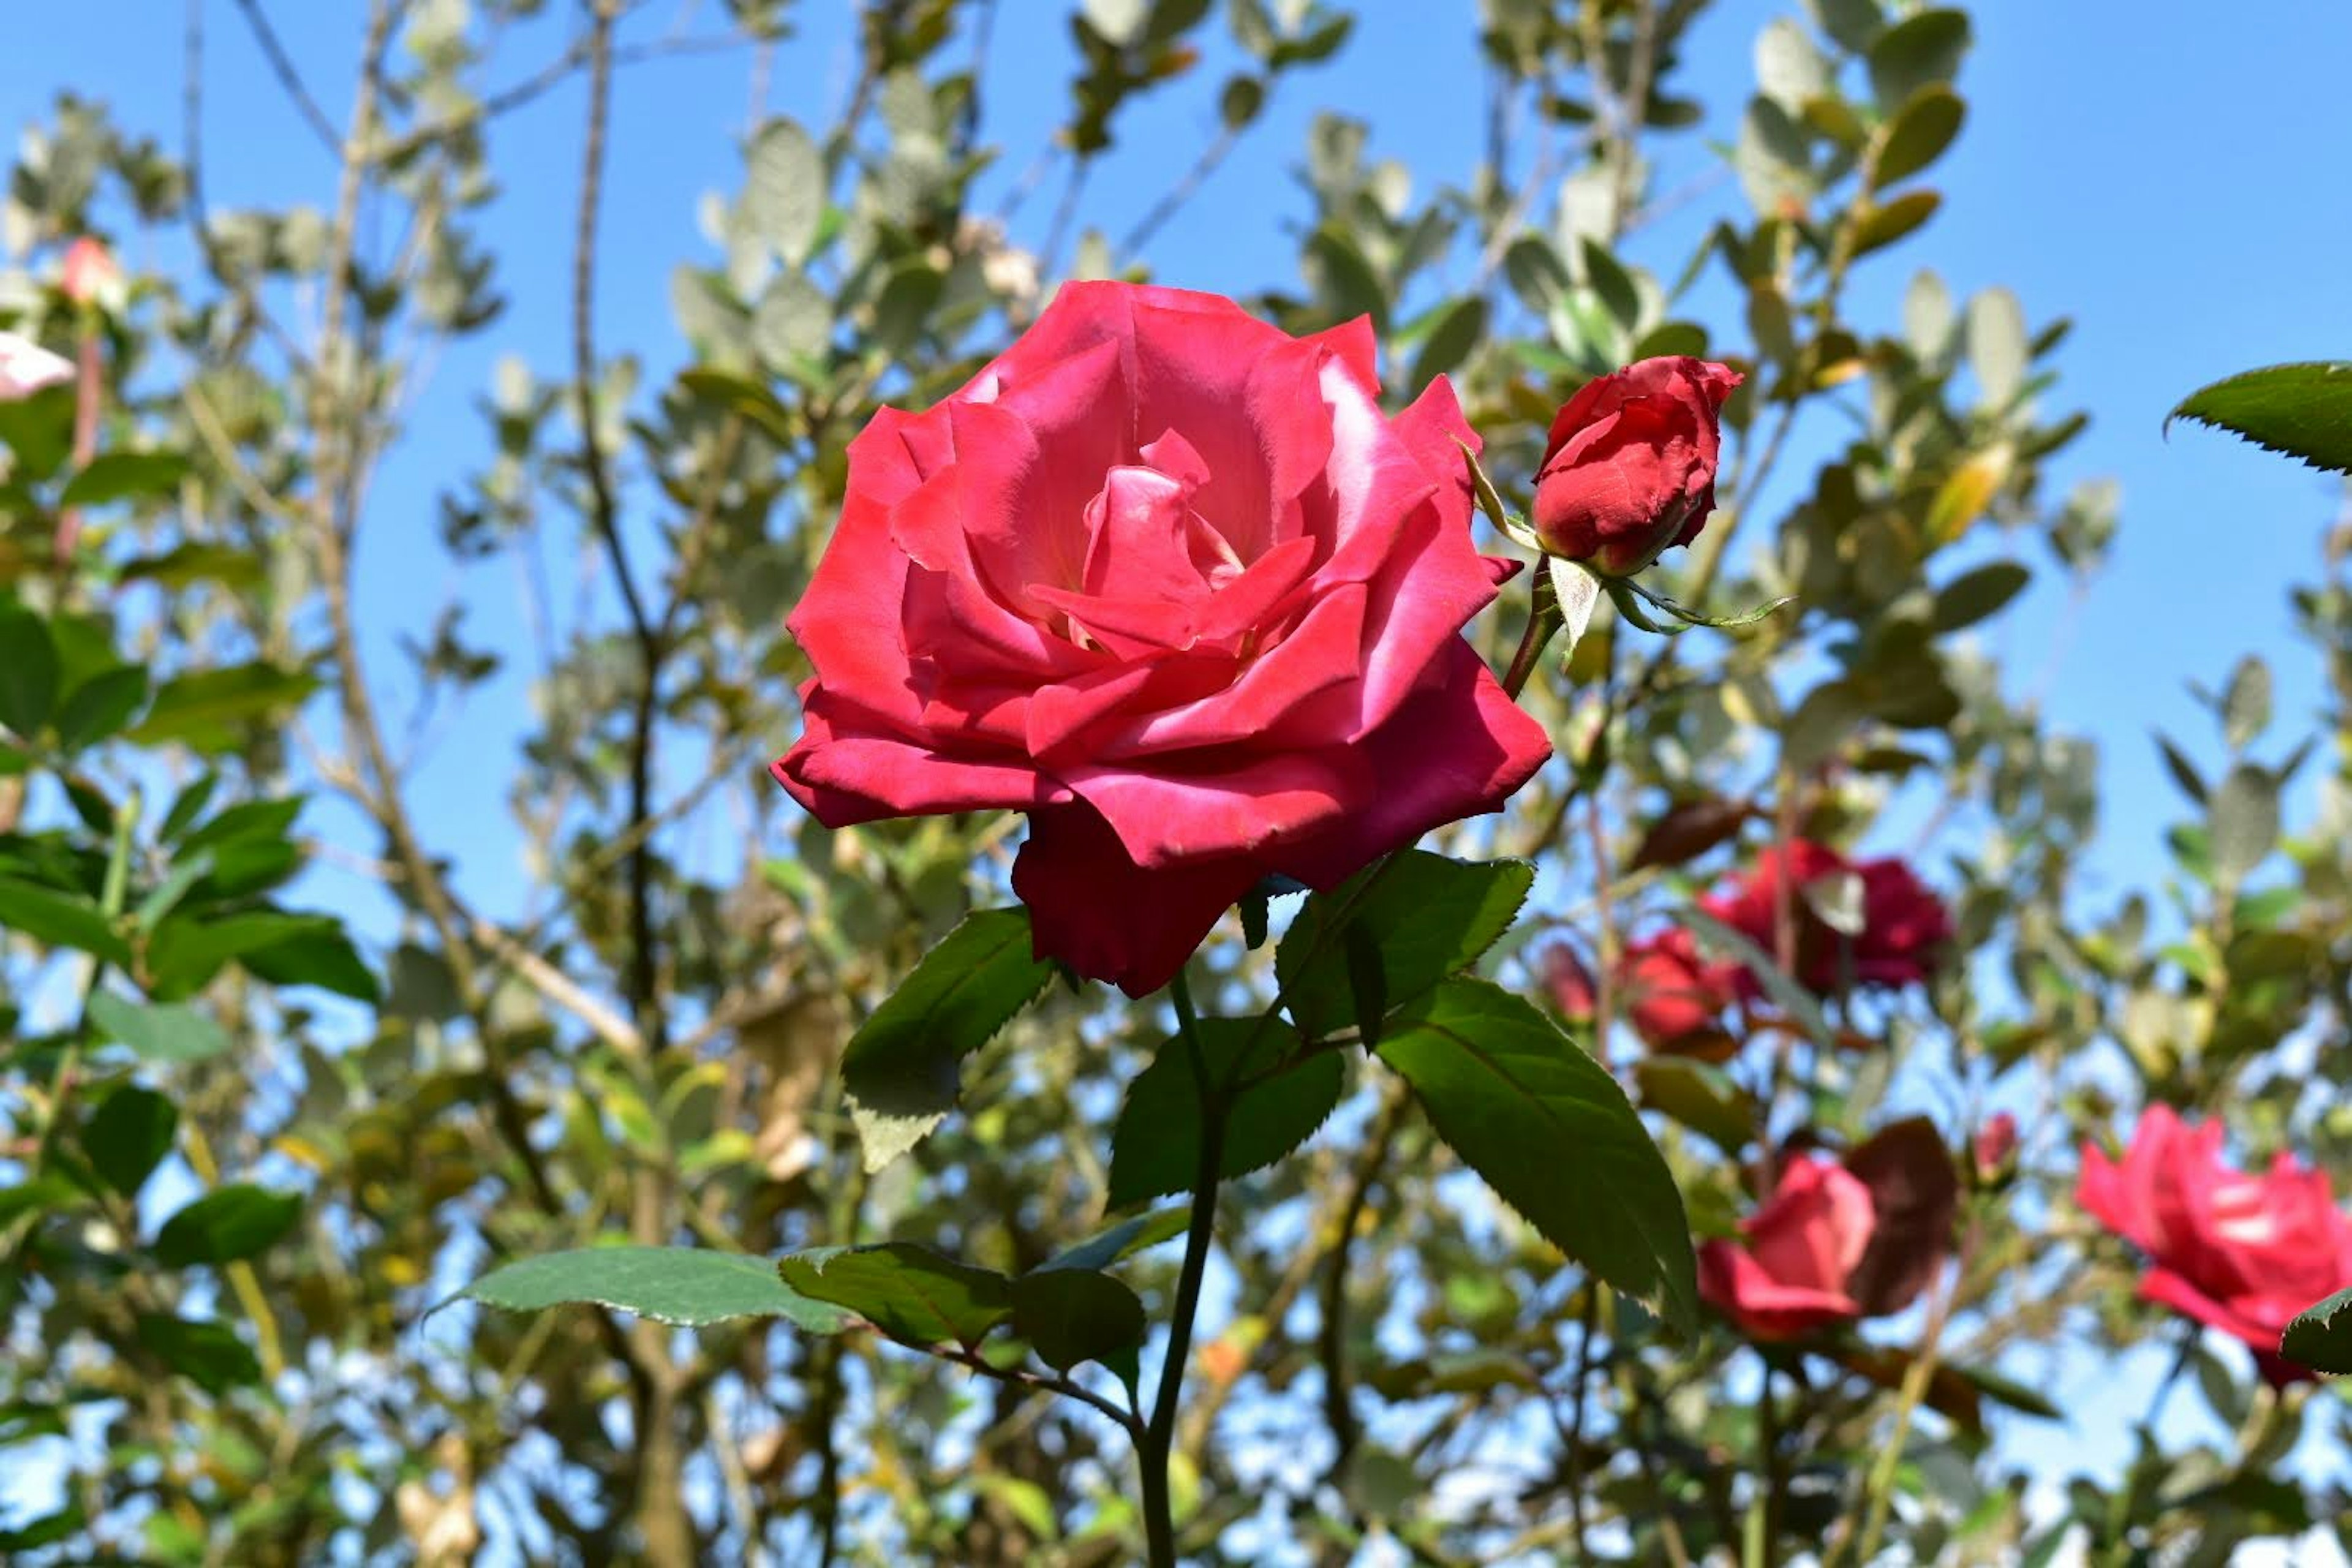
column 1849, row 925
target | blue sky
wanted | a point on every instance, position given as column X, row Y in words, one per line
column 2114, row 169
column 2174, row 185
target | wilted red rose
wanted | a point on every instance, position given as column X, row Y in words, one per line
column 1900, row 926
column 1629, row 468
column 1673, row 998
column 92, row 273
column 1168, row 580
column 1788, row 1276
column 2240, row 1253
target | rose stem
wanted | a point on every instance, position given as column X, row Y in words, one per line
column 1158, row 1528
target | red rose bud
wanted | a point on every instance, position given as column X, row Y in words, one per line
column 2240, row 1253
column 1675, row 999
column 1901, row 926
column 91, row 276
column 1630, row 469
column 1788, row 1275
column 1994, row 1147
column 1170, row 582
column 1570, row 981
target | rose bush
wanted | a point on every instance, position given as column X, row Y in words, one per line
column 1629, row 469
column 1168, row 580
column 2240, row 1253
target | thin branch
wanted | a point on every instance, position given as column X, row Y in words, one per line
column 1038, row 1383
column 554, row 74
column 282, row 65
column 604, row 514
column 1172, row 200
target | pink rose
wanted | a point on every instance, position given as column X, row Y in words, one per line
column 1904, row 926
column 1168, row 580
column 1630, row 469
column 25, row 367
column 1839, row 1241
column 2239, row 1253
column 1787, row 1277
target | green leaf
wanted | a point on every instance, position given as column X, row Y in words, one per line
column 238, row 1221
column 902, row 1065
column 1123, row 1240
column 684, row 1285
column 2246, row 704
column 1789, row 68
column 285, row 948
column 124, row 476
column 28, row 671
column 1884, row 222
column 785, row 190
column 1977, row 596
column 39, row 1194
column 1070, row 1316
column 314, row 952
column 1552, row 1134
column 1459, row 326
column 2320, row 1337
column 209, row 1355
column 1345, row 278
column 212, row 709
column 1430, row 917
column 1919, row 51
column 1156, row 1146
column 793, row 323
column 127, row 1136
column 1700, row 1096
column 909, row 1292
column 2241, row 821
column 157, row 1032
column 1854, row 25
column 101, row 706
column 61, row 920
column 2302, row 410
column 1918, row 135
column 1997, row 350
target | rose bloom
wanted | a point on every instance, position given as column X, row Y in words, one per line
column 1788, row 1275
column 1904, row 926
column 1629, row 468
column 25, row 367
column 1168, row 580
column 1673, row 998
column 2240, row 1253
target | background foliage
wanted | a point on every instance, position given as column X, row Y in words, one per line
column 258, row 1128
